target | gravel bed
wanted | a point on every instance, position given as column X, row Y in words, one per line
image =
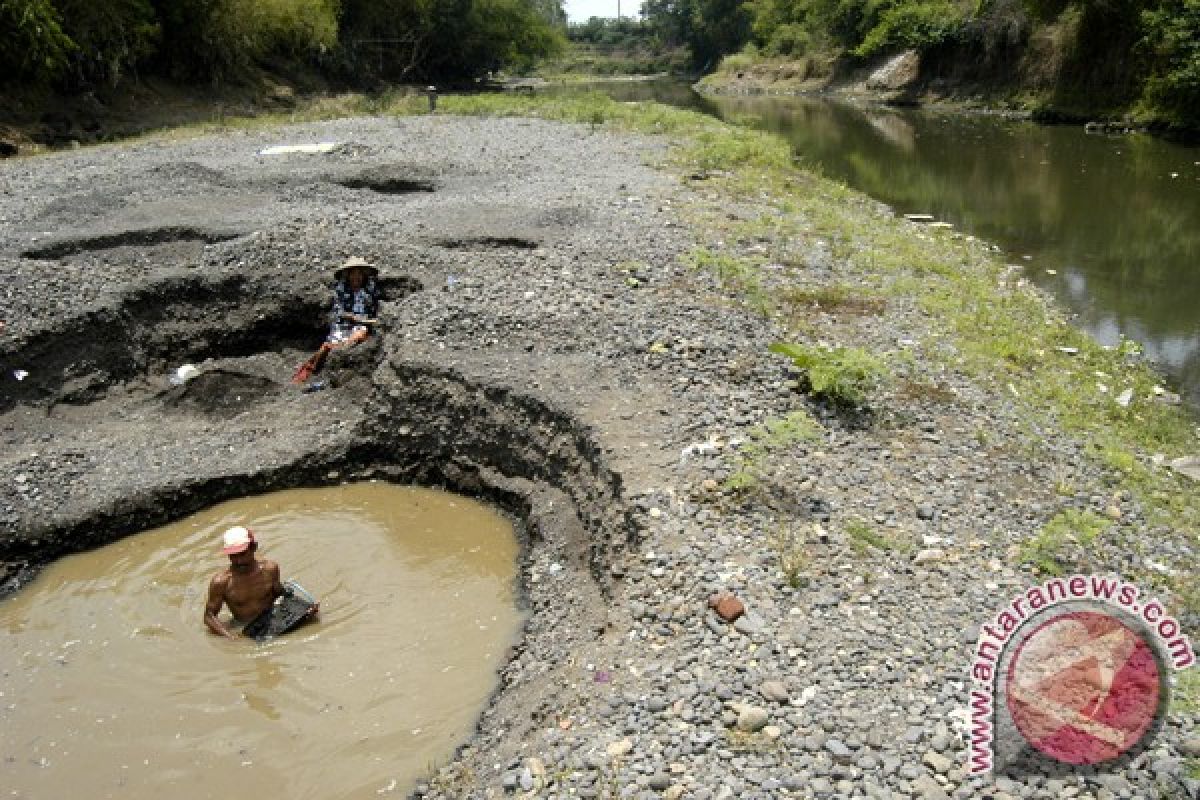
column 545, row 346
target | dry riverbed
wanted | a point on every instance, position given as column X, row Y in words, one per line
column 548, row 345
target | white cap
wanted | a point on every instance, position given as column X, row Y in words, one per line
column 237, row 540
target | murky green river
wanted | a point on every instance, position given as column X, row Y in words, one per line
column 1110, row 224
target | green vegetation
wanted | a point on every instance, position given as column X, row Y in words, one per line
column 740, row 276
column 862, row 536
column 836, row 297
column 612, row 47
column 794, row 558
column 82, row 44
column 1045, row 551
column 845, row 376
column 1139, row 57
column 1171, row 39
column 1186, row 694
column 770, row 437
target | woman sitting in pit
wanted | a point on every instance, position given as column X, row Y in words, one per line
column 355, row 304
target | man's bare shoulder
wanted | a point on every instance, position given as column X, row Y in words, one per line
column 221, row 579
column 270, row 566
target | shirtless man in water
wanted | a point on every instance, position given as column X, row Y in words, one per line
column 249, row 586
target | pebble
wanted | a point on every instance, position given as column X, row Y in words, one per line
column 751, row 719
column 929, row 555
column 774, row 691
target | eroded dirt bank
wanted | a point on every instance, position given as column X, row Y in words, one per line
column 543, row 347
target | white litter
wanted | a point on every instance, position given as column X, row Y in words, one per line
column 1187, row 465
column 20, row 374
column 705, row 448
column 184, row 374
column 283, row 149
column 1125, row 398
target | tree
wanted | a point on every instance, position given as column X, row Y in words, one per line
column 33, row 46
column 112, row 37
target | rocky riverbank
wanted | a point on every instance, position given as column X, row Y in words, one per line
column 548, row 346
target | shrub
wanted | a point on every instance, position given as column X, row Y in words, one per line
column 33, row 46
column 1046, row 550
column 788, row 40
column 843, row 375
column 113, row 37
column 764, row 440
column 917, row 26
column 1172, row 37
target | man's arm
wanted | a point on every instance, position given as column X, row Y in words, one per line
column 276, row 585
column 216, row 599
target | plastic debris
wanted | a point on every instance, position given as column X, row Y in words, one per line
column 283, row 149
column 20, row 374
column 184, row 374
column 706, row 448
column 1125, row 398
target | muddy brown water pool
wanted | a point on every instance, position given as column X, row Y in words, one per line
column 112, row 687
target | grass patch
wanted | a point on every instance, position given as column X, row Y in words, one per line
column 863, row 536
column 1186, row 696
column 793, row 555
column 1046, row 550
column 764, row 440
column 838, row 297
column 845, row 376
column 740, row 276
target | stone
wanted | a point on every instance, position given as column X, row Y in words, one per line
column 775, row 691
column 1188, row 466
column 896, row 73
column 1190, row 748
column 619, row 748
column 749, row 623
column 751, row 719
column 927, row 788
column 929, row 555
column 840, row 752
column 727, row 606
column 937, row 762
column 659, row 782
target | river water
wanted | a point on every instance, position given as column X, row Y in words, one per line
column 110, row 686
column 1109, row 224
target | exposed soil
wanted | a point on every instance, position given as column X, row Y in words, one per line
column 542, row 347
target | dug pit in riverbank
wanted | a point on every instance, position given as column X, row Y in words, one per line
column 418, row 595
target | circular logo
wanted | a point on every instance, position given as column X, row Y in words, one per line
column 1083, row 687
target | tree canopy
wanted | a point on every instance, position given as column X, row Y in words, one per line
column 85, row 43
column 1115, row 53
